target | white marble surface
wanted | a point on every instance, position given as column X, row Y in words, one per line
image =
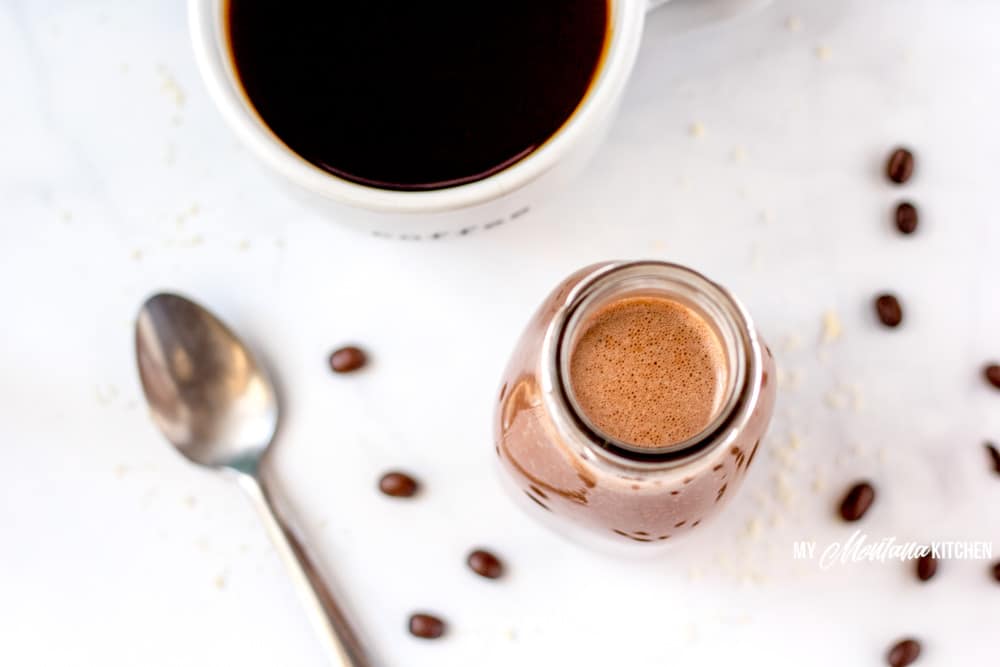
column 118, row 178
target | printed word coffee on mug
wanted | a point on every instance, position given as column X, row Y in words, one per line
column 420, row 95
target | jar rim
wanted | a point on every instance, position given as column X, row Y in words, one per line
column 742, row 391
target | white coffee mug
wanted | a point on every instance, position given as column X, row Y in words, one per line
column 455, row 211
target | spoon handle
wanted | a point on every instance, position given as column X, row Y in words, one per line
column 328, row 619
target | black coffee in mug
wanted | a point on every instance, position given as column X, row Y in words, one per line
column 416, row 95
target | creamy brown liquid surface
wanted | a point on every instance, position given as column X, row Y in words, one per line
column 648, row 371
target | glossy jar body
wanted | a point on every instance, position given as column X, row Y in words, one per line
column 580, row 479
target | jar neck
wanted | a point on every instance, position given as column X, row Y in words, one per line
column 716, row 306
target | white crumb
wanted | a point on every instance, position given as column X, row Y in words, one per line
column 136, row 255
column 793, row 24
column 120, row 470
column 834, row 400
column 697, row 129
column 818, row 483
column 824, row 53
column 753, row 528
column 171, row 88
column 190, row 502
column 832, row 329
column 107, row 395
column 783, row 490
column 786, row 457
column 191, row 242
column 793, row 378
column 766, row 216
column 220, row 582
column 243, row 246
column 792, row 343
column 739, row 154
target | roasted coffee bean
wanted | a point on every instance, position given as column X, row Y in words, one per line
column 994, row 453
column 857, row 501
column 899, row 168
column 890, row 313
column 926, row 567
column 426, row 626
column 996, row 570
column 398, row 485
column 347, row 359
column 992, row 374
column 904, row 652
column 485, row 564
column 906, row 217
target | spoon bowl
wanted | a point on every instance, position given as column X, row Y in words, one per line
column 208, row 395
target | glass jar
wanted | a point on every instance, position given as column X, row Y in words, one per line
column 581, row 479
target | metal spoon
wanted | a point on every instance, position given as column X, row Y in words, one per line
column 217, row 406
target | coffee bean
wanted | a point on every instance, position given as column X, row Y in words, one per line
column 426, row 626
column 347, row 359
column 904, row 652
column 899, row 168
column 890, row 313
column 992, row 374
column 926, row 567
column 906, row 217
column 996, row 570
column 857, row 501
column 994, row 456
column 485, row 564
column 398, row 485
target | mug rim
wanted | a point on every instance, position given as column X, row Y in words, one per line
column 207, row 24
